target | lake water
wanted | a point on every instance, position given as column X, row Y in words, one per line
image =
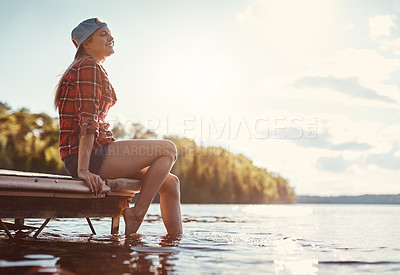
column 219, row 239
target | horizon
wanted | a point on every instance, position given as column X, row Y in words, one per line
column 307, row 90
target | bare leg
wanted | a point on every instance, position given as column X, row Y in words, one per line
column 126, row 158
column 169, row 202
column 155, row 176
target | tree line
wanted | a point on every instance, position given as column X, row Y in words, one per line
column 29, row 142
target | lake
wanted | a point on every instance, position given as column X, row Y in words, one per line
column 219, row 239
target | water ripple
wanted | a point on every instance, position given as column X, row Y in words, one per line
column 228, row 239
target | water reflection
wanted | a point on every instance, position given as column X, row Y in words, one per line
column 228, row 239
column 170, row 240
column 150, row 259
column 115, row 255
column 291, row 258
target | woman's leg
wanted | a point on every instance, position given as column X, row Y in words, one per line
column 125, row 158
column 170, row 204
column 170, row 201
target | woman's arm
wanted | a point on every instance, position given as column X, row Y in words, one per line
column 87, row 102
column 85, row 149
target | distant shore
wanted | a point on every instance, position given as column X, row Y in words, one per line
column 361, row 199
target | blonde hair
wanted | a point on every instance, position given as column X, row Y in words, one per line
column 80, row 54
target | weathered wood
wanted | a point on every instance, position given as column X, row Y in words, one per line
column 41, row 228
column 6, row 229
column 19, row 222
column 91, row 226
column 49, row 194
column 122, row 193
column 115, row 225
column 124, row 184
column 13, row 226
column 23, row 182
column 48, row 185
column 37, row 195
column 32, row 174
column 37, row 207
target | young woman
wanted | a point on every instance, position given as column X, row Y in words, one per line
column 89, row 151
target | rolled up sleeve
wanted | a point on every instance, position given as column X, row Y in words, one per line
column 88, row 94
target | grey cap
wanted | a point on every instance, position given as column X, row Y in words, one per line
column 85, row 29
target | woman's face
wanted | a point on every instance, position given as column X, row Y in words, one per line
column 101, row 44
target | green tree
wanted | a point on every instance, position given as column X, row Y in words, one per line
column 28, row 141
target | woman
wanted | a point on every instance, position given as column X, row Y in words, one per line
column 89, row 151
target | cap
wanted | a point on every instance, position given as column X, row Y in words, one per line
column 85, row 29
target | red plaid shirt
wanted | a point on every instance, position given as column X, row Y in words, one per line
column 86, row 97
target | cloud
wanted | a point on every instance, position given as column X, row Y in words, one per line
column 348, row 85
column 380, row 30
column 352, row 145
column 323, row 141
column 381, row 25
column 246, row 16
column 389, row 160
column 333, row 164
column 307, row 138
column 390, row 45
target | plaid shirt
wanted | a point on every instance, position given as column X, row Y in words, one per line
column 86, row 97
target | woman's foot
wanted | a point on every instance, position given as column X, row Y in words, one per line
column 133, row 220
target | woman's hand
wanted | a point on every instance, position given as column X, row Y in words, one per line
column 94, row 181
column 85, row 148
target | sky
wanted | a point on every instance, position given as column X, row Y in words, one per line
column 309, row 90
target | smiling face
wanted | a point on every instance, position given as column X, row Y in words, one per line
column 100, row 44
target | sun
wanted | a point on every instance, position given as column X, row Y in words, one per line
column 200, row 76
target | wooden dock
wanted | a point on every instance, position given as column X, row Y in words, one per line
column 36, row 195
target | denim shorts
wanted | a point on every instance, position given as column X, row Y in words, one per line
column 97, row 159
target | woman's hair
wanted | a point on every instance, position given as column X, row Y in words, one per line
column 80, row 54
